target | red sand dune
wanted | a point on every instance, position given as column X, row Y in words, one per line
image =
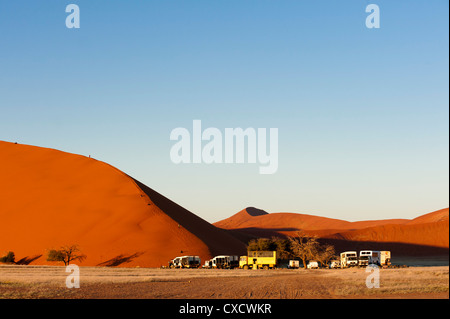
column 427, row 230
column 288, row 222
column 437, row 216
column 50, row 198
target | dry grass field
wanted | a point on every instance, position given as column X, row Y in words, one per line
column 35, row 282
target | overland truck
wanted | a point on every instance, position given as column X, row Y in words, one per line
column 258, row 260
column 385, row 258
column 367, row 257
column 349, row 259
column 185, row 262
column 225, row 262
column 380, row 258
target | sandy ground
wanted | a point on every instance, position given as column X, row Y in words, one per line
column 34, row 282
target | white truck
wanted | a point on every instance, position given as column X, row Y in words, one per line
column 349, row 259
column 313, row 265
column 380, row 258
column 185, row 262
column 367, row 257
column 225, row 262
column 294, row 264
column 385, row 258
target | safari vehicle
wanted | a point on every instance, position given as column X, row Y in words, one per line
column 365, row 257
column 312, row 264
column 385, row 258
column 380, row 258
column 294, row 264
column 185, row 262
column 335, row 264
column 258, row 260
column 175, row 263
column 349, row 259
column 225, row 262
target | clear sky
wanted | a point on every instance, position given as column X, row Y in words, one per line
column 362, row 113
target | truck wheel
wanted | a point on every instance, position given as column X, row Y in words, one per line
column 245, row 267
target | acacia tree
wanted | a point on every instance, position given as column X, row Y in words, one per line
column 325, row 254
column 259, row 244
column 66, row 254
column 305, row 247
column 282, row 247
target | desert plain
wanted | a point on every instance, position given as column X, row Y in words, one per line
column 49, row 282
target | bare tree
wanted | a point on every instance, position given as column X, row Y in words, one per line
column 305, row 247
column 325, row 254
column 66, row 254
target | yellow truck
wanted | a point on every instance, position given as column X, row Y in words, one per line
column 258, row 260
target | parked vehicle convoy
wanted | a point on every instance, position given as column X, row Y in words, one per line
column 268, row 260
column 185, row 262
column 349, row 259
column 258, row 260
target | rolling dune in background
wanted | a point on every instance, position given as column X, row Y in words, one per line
column 426, row 234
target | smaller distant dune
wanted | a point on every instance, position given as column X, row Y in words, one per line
column 434, row 217
column 426, row 234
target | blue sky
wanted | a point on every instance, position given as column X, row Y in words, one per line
column 362, row 113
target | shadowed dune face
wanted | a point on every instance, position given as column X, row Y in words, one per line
column 219, row 240
column 430, row 234
column 50, row 198
column 425, row 235
column 252, row 211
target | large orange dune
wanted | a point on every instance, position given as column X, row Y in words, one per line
column 426, row 234
column 49, row 198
